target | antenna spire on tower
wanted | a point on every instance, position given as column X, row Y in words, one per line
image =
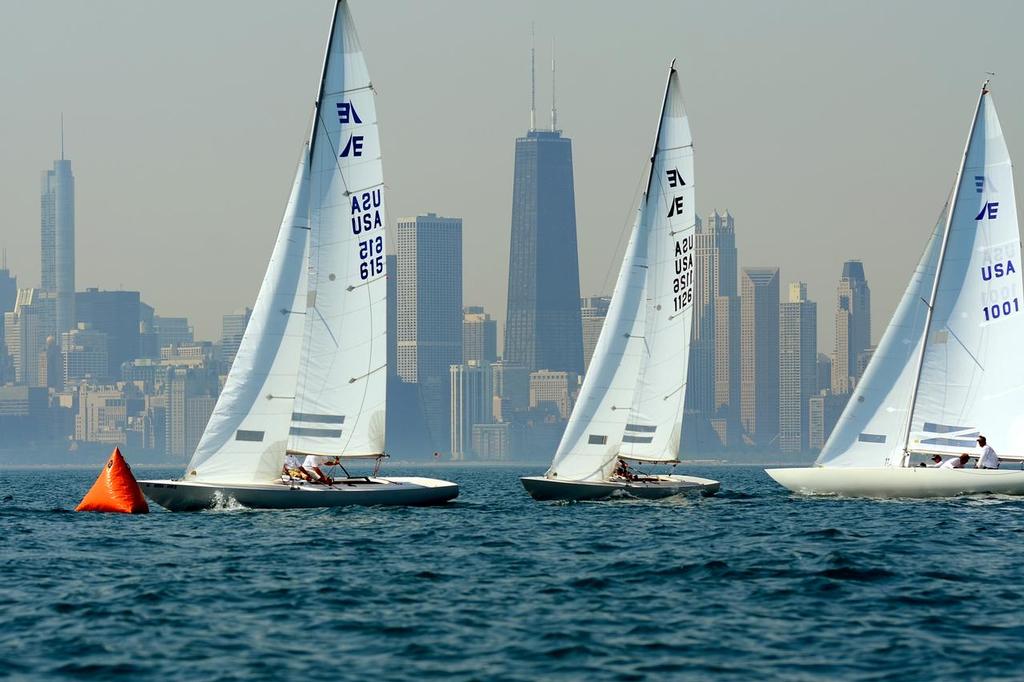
column 554, row 112
column 533, row 80
column 62, row 136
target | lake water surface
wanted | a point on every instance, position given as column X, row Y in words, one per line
column 751, row 584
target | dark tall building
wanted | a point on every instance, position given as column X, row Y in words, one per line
column 759, row 356
column 57, row 239
column 8, row 296
column 116, row 314
column 853, row 326
column 543, row 328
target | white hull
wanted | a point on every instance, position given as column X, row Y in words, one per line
column 196, row 495
column 654, row 487
column 899, row 482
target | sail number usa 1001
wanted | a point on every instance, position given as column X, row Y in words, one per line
column 999, row 294
column 682, row 276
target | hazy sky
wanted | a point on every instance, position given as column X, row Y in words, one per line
column 830, row 130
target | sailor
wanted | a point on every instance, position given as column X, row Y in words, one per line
column 312, row 465
column 988, row 459
column 936, row 460
column 956, row 462
column 293, row 468
column 622, row 470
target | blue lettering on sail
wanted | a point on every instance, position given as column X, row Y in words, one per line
column 997, row 270
column 989, row 210
column 354, row 146
column 347, row 113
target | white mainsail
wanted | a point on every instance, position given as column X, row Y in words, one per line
column 244, row 440
column 340, row 394
column 631, row 402
column 932, row 386
column 972, row 379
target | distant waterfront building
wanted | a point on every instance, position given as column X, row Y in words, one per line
column 57, row 237
column 715, row 353
column 543, row 328
column 759, row 356
column 191, row 395
column 479, row 336
column 8, row 294
column 116, row 314
column 853, row 326
column 232, row 329
column 556, row 388
column 26, row 329
column 798, row 367
column 494, row 442
column 25, row 415
column 102, row 415
column 511, row 385
column 172, row 331
column 593, row 311
column 429, row 252
column 823, row 412
column 391, row 263
column 472, row 392
column 85, row 355
column 824, row 373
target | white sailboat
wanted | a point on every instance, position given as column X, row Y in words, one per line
column 946, row 369
column 630, row 408
column 310, row 374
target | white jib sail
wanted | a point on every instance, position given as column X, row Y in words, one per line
column 972, row 379
column 340, row 397
column 245, row 439
column 872, row 429
column 631, row 401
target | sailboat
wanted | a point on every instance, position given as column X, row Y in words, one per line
column 310, row 374
column 630, row 407
column 947, row 369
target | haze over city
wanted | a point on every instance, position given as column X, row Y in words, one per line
column 829, row 132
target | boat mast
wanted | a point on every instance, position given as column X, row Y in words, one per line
column 657, row 136
column 323, row 78
column 938, row 274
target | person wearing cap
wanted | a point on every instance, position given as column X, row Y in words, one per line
column 988, row 459
column 936, row 460
column 956, row 462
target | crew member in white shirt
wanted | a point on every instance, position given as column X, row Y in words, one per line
column 293, row 468
column 988, row 459
column 956, row 462
column 312, row 464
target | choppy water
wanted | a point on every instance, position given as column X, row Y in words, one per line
column 752, row 584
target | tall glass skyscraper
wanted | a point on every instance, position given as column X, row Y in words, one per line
column 57, row 236
column 543, row 328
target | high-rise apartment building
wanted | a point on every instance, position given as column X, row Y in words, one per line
column 391, row 263
column 232, row 329
column 429, row 252
column 172, row 331
column 85, row 355
column 759, row 356
column 57, row 237
column 479, row 336
column 853, row 326
column 543, row 328
column 798, row 367
column 555, row 388
column 471, row 400
column 511, row 390
column 593, row 310
column 116, row 314
column 26, row 329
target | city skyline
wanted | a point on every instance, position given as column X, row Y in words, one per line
column 175, row 200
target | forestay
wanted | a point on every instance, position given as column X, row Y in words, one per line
column 631, row 402
column 244, row 440
column 340, row 396
column 972, row 378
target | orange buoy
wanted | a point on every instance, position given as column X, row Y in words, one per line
column 116, row 490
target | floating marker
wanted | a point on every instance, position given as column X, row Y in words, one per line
column 115, row 490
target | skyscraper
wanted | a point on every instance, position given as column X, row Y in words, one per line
column 8, row 295
column 429, row 252
column 116, row 314
column 853, row 326
column 232, row 329
column 471, row 399
column 593, row 310
column 479, row 336
column 714, row 375
column 543, row 328
column 26, row 329
column 759, row 355
column 798, row 367
column 57, row 232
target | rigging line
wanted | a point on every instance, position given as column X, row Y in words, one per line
column 966, row 350
column 627, row 227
